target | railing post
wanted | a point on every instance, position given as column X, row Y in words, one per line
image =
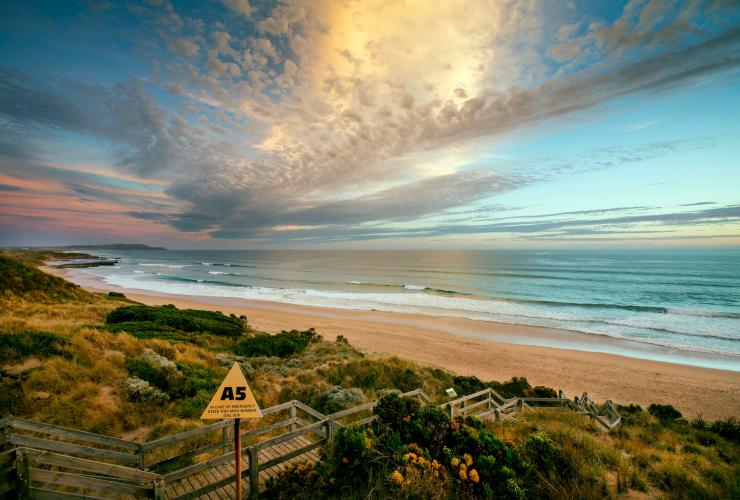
column 329, row 432
column 254, row 472
column 292, row 414
column 452, row 411
column 225, row 439
column 159, row 489
column 497, row 413
column 141, row 455
column 6, row 437
column 22, row 473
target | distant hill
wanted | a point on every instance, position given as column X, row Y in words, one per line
column 112, row 246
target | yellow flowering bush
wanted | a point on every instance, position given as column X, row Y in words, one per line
column 473, row 476
column 397, row 478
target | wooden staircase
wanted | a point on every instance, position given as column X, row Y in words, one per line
column 46, row 461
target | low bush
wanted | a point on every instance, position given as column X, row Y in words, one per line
column 187, row 381
column 373, row 375
column 283, row 344
column 664, row 412
column 195, row 379
column 19, row 345
column 411, row 451
column 728, row 429
column 516, row 387
column 144, row 321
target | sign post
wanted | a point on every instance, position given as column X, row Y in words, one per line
column 234, row 399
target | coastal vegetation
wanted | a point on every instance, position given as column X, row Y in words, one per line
column 149, row 321
column 102, row 363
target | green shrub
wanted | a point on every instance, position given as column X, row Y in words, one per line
column 412, row 451
column 373, row 375
column 308, row 393
column 516, row 387
column 468, row 385
column 283, row 344
column 541, row 391
column 31, row 343
column 728, row 429
column 394, row 412
column 187, row 381
column 143, row 320
column 664, row 412
column 541, row 451
column 193, row 407
column 194, row 380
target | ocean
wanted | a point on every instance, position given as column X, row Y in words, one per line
column 687, row 300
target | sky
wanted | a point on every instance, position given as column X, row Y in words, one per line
column 370, row 124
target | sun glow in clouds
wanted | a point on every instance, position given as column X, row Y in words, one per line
column 348, row 123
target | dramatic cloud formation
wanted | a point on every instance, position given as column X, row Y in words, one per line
column 341, row 121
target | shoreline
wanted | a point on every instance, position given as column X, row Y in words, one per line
column 487, row 350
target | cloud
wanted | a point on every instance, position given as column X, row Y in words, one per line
column 145, row 139
column 8, row 188
column 537, row 228
column 327, row 118
column 402, row 203
column 698, row 204
column 239, row 6
column 327, row 141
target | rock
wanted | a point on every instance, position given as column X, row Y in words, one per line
column 158, row 361
column 224, row 359
column 247, row 369
column 40, row 395
column 265, row 360
column 337, row 399
column 294, row 363
column 280, row 370
column 137, row 389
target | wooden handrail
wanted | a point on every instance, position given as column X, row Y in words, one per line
column 40, row 452
column 55, row 430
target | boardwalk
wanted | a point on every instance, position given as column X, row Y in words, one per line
column 190, row 485
column 47, row 461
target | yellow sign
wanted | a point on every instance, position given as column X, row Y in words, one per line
column 233, row 399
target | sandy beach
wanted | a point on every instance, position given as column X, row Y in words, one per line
column 458, row 345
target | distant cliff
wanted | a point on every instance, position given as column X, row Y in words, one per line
column 112, row 246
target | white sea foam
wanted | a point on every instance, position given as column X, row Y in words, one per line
column 632, row 327
column 414, row 287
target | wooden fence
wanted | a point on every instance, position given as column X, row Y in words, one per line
column 49, row 461
column 490, row 404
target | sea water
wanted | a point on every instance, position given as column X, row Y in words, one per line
column 687, row 300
